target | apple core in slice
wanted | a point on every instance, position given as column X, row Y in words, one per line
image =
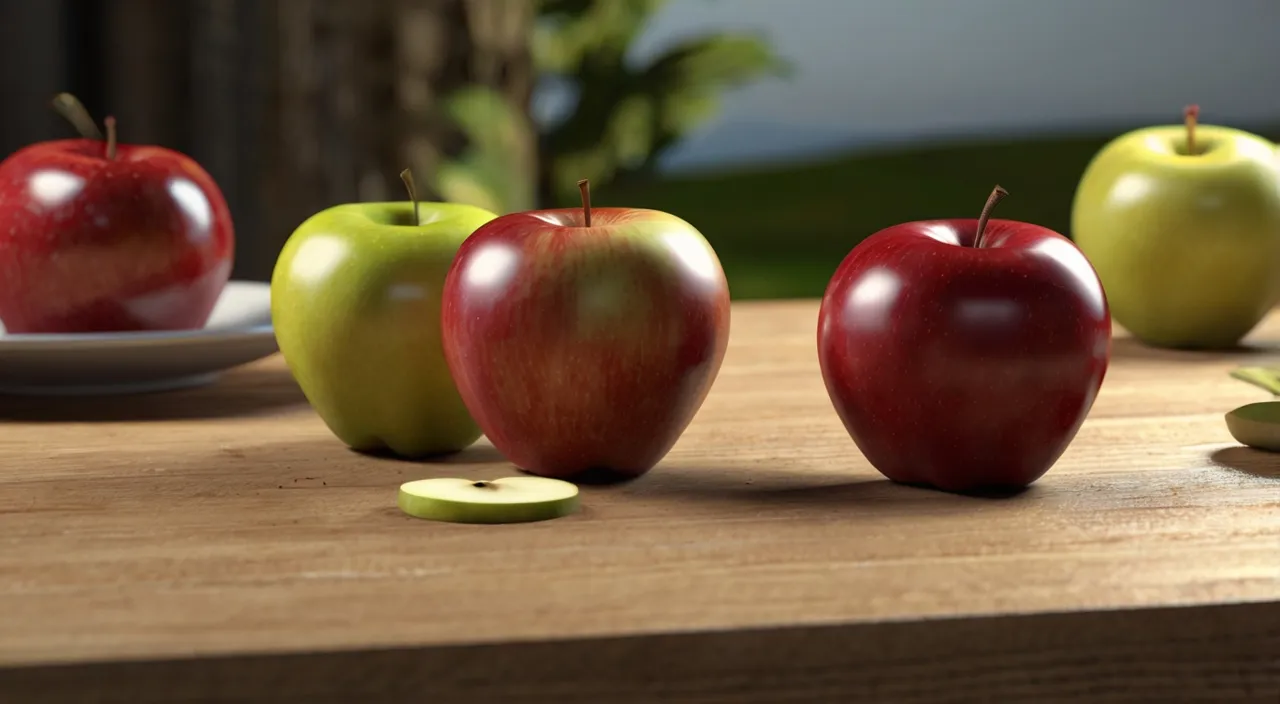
column 508, row 500
column 1256, row 425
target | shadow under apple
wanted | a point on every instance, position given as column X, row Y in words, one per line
column 822, row 491
column 1259, row 463
column 483, row 453
column 476, row 453
column 1132, row 348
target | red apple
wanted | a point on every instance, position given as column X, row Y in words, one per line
column 585, row 340
column 97, row 236
column 964, row 354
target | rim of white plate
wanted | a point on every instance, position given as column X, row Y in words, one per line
column 124, row 339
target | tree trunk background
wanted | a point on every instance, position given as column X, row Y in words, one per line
column 291, row 105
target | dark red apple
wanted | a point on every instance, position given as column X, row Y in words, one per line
column 585, row 340
column 97, row 236
column 964, row 354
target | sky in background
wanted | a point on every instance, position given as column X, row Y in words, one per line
column 875, row 71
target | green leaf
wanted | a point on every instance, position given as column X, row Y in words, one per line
column 631, row 131
column 1261, row 377
column 568, row 32
column 625, row 122
column 626, row 117
column 715, row 62
column 458, row 182
column 682, row 111
column 497, row 170
column 489, row 121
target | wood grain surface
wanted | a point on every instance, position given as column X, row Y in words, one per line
column 220, row 545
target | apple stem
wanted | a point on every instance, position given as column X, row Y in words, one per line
column 997, row 195
column 1191, row 114
column 584, row 187
column 407, row 177
column 110, row 122
column 70, row 107
column 481, row 485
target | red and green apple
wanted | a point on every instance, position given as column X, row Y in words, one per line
column 585, row 339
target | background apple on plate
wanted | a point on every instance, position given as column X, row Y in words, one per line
column 102, row 236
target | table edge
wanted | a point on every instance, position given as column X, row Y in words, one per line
column 1149, row 654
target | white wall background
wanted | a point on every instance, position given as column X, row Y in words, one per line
column 870, row 71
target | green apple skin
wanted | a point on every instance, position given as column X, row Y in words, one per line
column 355, row 301
column 1187, row 246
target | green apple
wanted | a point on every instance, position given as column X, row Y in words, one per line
column 355, row 301
column 1182, row 224
column 509, row 500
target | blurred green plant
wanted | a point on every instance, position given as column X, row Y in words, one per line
column 626, row 114
column 498, row 169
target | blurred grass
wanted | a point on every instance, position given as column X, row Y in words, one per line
column 782, row 230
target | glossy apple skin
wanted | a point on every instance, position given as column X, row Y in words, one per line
column 1187, row 247
column 580, row 349
column 140, row 242
column 959, row 368
column 355, row 301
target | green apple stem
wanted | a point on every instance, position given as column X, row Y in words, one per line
column 1191, row 114
column 584, row 187
column 997, row 195
column 1261, row 377
column 70, row 107
column 482, row 485
column 407, row 177
column 110, row 122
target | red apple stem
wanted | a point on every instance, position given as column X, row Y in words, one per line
column 407, row 177
column 997, row 195
column 584, row 187
column 110, row 122
column 1191, row 115
column 70, row 108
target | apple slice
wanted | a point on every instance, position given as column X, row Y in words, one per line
column 508, row 500
column 1256, row 425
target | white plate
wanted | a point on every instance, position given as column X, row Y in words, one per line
column 239, row 331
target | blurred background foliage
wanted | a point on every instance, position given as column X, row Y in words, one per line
column 297, row 105
column 624, row 117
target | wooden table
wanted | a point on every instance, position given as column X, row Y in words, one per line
column 220, row 544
